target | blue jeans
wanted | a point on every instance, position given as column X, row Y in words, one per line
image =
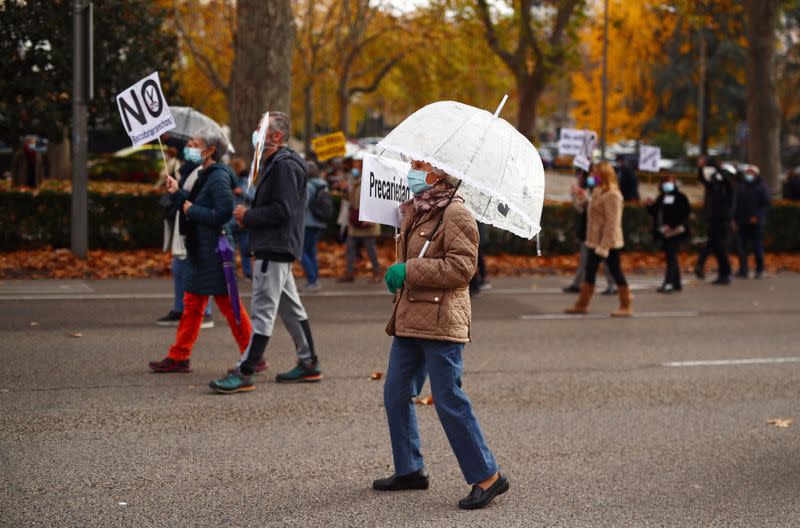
column 178, row 274
column 242, row 237
column 309, row 260
column 409, row 360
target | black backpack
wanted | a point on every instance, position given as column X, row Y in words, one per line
column 321, row 205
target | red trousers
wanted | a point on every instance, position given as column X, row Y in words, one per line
column 188, row 329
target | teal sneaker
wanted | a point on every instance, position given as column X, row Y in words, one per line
column 306, row 370
column 233, row 383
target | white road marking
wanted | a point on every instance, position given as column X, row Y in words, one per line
column 636, row 315
column 723, row 362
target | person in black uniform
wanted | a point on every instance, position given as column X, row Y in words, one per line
column 719, row 204
column 670, row 213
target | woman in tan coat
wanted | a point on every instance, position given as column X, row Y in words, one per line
column 430, row 325
column 604, row 240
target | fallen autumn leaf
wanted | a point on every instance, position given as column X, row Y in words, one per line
column 781, row 422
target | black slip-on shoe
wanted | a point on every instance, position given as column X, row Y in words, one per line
column 571, row 289
column 417, row 480
column 479, row 498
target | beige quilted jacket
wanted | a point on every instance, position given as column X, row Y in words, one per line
column 434, row 301
column 604, row 230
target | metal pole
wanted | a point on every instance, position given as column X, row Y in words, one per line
column 605, row 83
column 701, row 95
column 79, row 226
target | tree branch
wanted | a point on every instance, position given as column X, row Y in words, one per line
column 201, row 59
column 491, row 36
column 380, row 75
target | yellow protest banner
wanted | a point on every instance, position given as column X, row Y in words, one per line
column 329, row 146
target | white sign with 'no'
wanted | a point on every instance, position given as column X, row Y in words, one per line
column 649, row 158
column 144, row 110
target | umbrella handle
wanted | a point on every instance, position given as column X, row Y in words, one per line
column 502, row 104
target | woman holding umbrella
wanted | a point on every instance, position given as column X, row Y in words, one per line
column 205, row 211
column 430, row 325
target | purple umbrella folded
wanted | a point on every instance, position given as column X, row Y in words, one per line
column 225, row 253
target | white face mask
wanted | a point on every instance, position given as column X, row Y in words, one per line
column 708, row 173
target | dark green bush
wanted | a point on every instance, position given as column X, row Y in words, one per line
column 121, row 221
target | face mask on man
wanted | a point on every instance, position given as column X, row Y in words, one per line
column 267, row 143
column 749, row 178
column 668, row 187
column 192, row 154
column 416, row 181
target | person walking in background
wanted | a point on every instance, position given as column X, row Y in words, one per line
column 204, row 211
column 174, row 241
column 628, row 182
column 317, row 199
column 240, row 236
column 480, row 281
column 581, row 195
column 670, row 214
column 752, row 203
column 275, row 221
column 359, row 234
column 718, row 208
column 791, row 187
column 604, row 239
column 430, row 326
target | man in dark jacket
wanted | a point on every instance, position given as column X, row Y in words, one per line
column 752, row 202
column 718, row 207
column 628, row 182
column 275, row 220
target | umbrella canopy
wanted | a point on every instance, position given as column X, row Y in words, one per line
column 502, row 177
column 189, row 121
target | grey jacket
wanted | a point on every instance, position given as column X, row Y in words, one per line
column 275, row 217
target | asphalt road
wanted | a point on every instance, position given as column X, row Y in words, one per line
column 595, row 421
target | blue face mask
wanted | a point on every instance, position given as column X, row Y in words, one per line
column 668, row 187
column 591, row 181
column 749, row 178
column 355, row 172
column 192, row 154
column 255, row 138
column 416, row 181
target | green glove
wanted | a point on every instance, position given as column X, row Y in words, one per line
column 395, row 276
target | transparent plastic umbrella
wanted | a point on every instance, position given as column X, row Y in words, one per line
column 502, row 177
column 189, row 121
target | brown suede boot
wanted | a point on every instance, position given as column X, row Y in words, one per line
column 582, row 306
column 624, row 309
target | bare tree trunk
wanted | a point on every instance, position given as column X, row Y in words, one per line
column 528, row 93
column 763, row 116
column 262, row 66
column 308, row 111
column 60, row 160
column 344, row 111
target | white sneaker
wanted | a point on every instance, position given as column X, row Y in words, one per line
column 208, row 322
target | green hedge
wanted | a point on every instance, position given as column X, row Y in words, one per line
column 120, row 221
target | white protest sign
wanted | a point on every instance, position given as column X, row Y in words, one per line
column 570, row 141
column 144, row 111
column 649, row 158
column 583, row 159
column 383, row 188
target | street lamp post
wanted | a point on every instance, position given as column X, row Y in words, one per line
column 81, row 93
column 605, row 84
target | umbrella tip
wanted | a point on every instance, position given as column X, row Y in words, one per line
column 502, row 104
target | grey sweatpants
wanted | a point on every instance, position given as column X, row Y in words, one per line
column 275, row 294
